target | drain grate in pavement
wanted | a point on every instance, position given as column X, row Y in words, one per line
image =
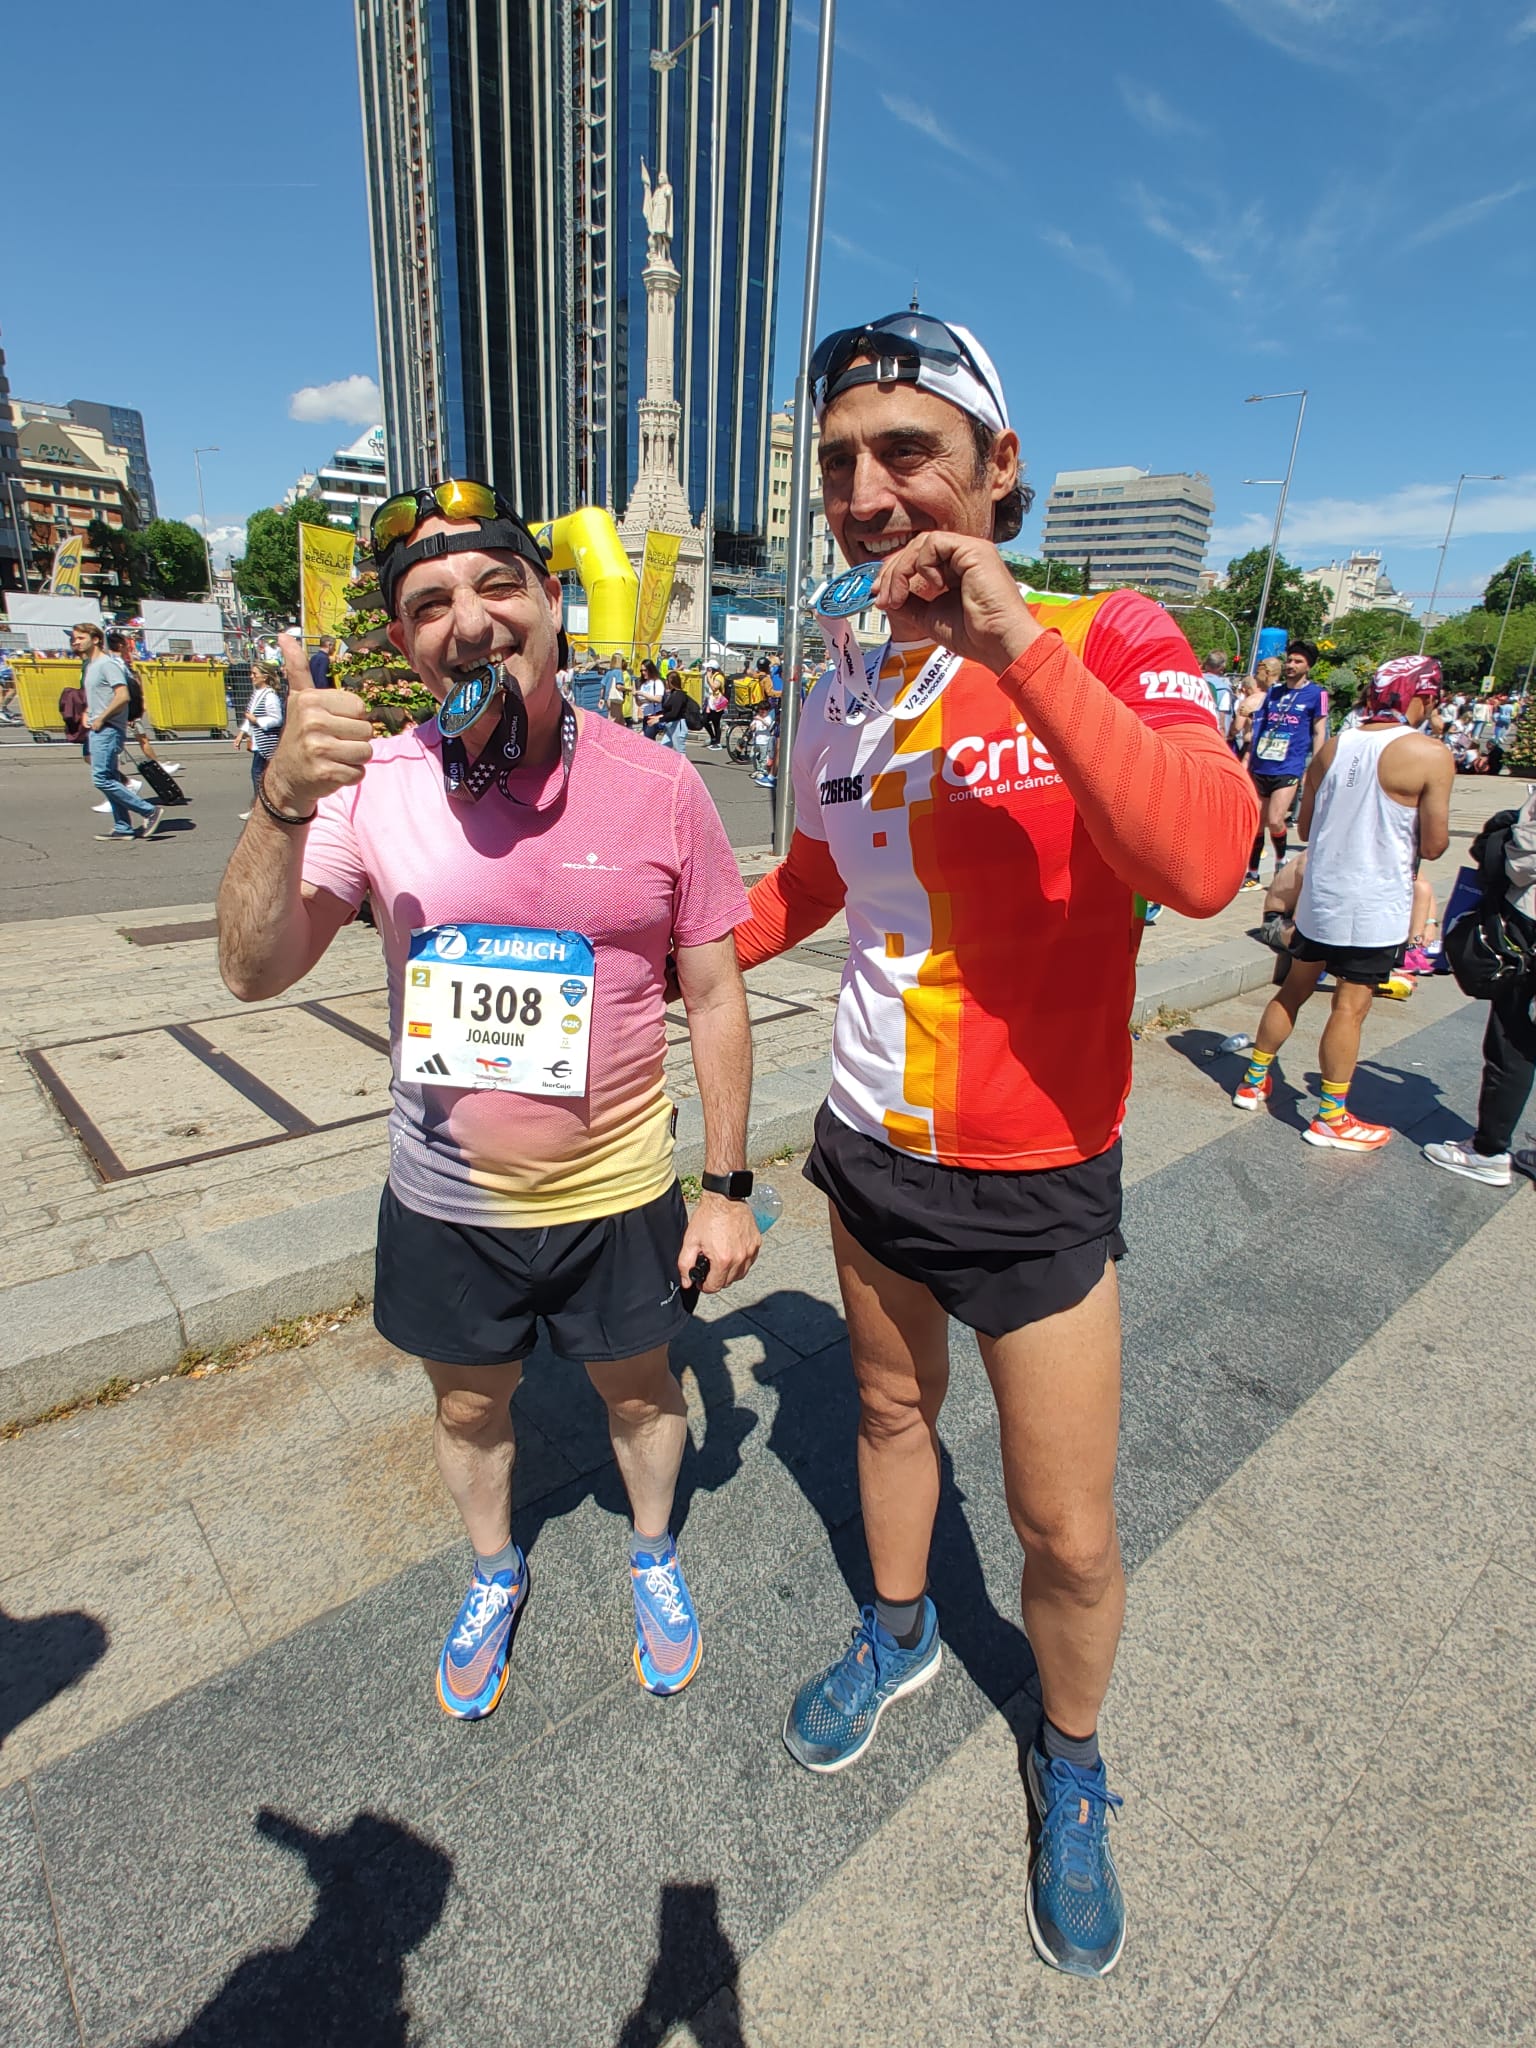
column 171, row 1095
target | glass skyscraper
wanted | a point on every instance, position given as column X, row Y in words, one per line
column 503, row 142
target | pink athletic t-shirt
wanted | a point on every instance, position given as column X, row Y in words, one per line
column 634, row 859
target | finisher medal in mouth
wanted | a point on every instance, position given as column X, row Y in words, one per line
column 843, row 595
column 467, row 702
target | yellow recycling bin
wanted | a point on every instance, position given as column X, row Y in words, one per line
column 185, row 696
column 38, row 683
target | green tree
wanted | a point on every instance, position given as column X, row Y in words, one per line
column 1204, row 626
column 1502, row 581
column 1368, row 638
column 267, row 574
column 172, row 562
column 116, row 559
column 1297, row 606
column 1038, row 574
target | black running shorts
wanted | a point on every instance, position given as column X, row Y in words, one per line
column 1366, row 965
column 997, row 1250
column 1266, row 785
column 464, row 1295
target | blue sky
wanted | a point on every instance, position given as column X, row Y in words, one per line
column 1145, row 212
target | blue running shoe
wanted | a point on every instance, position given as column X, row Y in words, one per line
column 668, row 1645
column 1076, row 1913
column 835, row 1714
column 472, row 1671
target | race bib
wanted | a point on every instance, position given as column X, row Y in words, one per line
column 497, row 1006
column 1273, row 747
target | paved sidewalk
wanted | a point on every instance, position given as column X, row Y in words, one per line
column 235, row 1815
column 225, row 1159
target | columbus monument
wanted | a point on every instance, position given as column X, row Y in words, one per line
column 659, row 504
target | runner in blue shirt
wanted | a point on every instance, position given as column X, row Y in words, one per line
column 1289, row 727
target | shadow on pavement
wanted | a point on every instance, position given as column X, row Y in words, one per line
column 694, row 1960
column 382, row 1890
column 40, row 1656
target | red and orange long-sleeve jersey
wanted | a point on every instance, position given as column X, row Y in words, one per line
column 989, row 852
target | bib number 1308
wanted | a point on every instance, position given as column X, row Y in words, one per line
column 497, row 1006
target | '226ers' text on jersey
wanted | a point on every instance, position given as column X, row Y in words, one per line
column 984, row 1014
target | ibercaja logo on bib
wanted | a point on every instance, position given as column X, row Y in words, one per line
column 573, row 991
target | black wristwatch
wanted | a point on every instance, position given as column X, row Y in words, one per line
column 736, row 1187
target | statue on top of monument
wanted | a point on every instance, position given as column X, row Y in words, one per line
column 657, row 209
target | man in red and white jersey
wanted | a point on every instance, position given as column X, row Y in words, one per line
column 988, row 799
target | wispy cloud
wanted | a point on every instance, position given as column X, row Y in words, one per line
column 1145, row 104
column 1090, row 259
column 927, row 123
column 857, row 253
column 1332, row 33
column 1466, row 215
column 1413, row 517
column 1524, row 28
column 1221, row 243
column 356, row 401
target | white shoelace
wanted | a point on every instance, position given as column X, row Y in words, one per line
column 487, row 1602
column 661, row 1584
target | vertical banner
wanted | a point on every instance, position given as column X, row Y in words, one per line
column 325, row 570
column 68, row 561
column 656, row 574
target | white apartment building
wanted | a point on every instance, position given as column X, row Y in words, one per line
column 1130, row 526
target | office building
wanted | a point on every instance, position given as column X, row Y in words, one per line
column 1129, row 526
column 351, row 483
column 121, row 427
column 14, row 541
column 503, row 146
column 71, row 475
column 1357, row 584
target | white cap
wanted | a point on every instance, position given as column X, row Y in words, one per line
column 981, row 397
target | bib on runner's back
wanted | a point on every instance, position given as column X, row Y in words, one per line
column 497, row 1006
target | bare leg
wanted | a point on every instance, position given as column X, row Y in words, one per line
column 899, row 1337
column 648, row 1427
column 1340, row 1047
column 1279, row 1019
column 1057, row 1387
column 472, row 1436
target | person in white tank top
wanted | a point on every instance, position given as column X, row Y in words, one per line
column 1376, row 801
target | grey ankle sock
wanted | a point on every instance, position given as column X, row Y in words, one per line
column 648, row 1546
column 1082, row 1750
column 508, row 1559
column 902, row 1619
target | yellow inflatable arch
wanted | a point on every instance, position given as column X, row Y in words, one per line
column 587, row 541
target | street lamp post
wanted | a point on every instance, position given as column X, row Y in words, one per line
column 202, row 510
column 1498, row 645
column 664, row 62
column 1466, row 477
column 800, row 483
column 1263, row 398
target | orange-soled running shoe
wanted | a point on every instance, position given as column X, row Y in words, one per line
column 1246, row 1096
column 1348, row 1133
column 668, row 1645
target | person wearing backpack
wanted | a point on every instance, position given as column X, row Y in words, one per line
column 140, row 731
column 678, row 711
column 1509, row 1043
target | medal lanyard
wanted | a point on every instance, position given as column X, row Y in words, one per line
column 469, row 780
column 851, row 696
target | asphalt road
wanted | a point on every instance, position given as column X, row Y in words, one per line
column 52, row 866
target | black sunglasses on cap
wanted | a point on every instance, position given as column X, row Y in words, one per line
column 900, row 343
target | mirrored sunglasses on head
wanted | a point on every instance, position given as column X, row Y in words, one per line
column 455, row 498
column 903, row 341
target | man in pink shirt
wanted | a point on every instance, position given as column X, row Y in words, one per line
column 530, row 870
